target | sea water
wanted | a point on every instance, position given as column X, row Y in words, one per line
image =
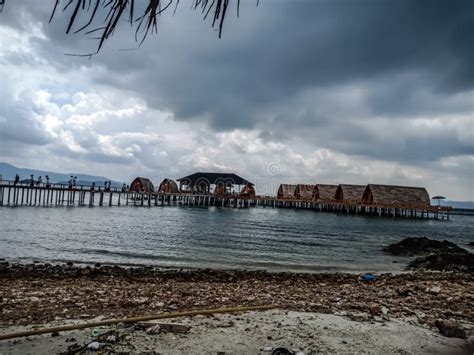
column 192, row 237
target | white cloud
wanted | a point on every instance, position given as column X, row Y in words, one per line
column 200, row 104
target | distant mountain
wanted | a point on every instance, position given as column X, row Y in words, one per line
column 8, row 172
column 466, row 205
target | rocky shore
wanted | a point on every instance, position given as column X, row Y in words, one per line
column 433, row 309
column 433, row 254
column 40, row 293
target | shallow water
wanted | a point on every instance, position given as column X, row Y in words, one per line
column 189, row 237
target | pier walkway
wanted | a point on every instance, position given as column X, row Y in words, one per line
column 62, row 195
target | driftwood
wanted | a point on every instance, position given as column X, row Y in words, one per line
column 134, row 320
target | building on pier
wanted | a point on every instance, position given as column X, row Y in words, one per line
column 376, row 200
column 351, row 194
column 207, row 183
column 286, row 191
column 248, row 190
column 324, row 192
column 141, row 184
column 396, row 196
column 304, row 192
column 168, row 186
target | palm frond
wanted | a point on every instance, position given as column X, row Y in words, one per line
column 108, row 18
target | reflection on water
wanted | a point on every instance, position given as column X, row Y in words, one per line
column 274, row 239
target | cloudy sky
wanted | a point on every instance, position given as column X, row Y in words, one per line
column 330, row 91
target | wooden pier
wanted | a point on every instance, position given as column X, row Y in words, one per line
column 83, row 196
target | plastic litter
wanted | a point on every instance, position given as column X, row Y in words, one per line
column 155, row 329
column 367, row 277
column 95, row 345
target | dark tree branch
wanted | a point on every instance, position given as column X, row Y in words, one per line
column 144, row 23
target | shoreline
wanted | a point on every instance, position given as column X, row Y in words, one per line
column 161, row 267
column 317, row 312
column 44, row 292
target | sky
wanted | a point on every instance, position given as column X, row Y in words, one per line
column 310, row 91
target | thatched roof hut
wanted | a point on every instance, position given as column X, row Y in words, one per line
column 286, row 191
column 349, row 193
column 403, row 196
column 141, row 184
column 324, row 192
column 168, row 186
column 248, row 190
column 304, row 192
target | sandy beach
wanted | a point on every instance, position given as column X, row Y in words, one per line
column 261, row 333
column 363, row 314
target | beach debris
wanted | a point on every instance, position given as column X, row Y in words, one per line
column 225, row 324
column 374, row 309
column 165, row 327
column 106, row 296
column 367, row 277
column 154, row 329
column 384, row 310
column 406, row 292
column 450, row 329
column 112, row 338
column 435, row 290
column 95, row 345
column 420, row 316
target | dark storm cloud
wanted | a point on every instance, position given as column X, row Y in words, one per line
column 351, row 76
column 282, row 47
